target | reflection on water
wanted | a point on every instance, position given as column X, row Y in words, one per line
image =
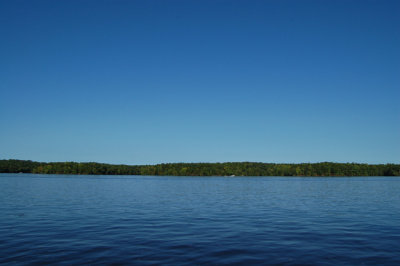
column 199, row 220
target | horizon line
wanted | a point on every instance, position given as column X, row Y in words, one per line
column 222, row 162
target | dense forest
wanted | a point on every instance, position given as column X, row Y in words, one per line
column 202, row 169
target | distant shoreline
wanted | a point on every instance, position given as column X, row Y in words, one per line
column 202, row 169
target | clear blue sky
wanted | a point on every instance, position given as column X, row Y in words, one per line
column 143, row 82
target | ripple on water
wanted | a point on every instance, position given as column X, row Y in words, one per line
column 168, row 220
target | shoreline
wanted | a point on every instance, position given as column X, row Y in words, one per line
column 227, row 169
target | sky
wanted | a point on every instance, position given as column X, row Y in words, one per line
column 145, row 82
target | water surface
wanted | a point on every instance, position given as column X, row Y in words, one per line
column 199, row 220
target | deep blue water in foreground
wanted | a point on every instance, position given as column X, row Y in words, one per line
column 199, row 220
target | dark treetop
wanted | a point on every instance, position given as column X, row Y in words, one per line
column 203, row 169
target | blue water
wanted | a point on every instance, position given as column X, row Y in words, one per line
column 199, row 220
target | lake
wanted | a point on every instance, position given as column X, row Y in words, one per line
column 48, row 219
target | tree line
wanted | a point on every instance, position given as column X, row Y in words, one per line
column 202, row 169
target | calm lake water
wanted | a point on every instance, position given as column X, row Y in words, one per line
column 199, row 220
